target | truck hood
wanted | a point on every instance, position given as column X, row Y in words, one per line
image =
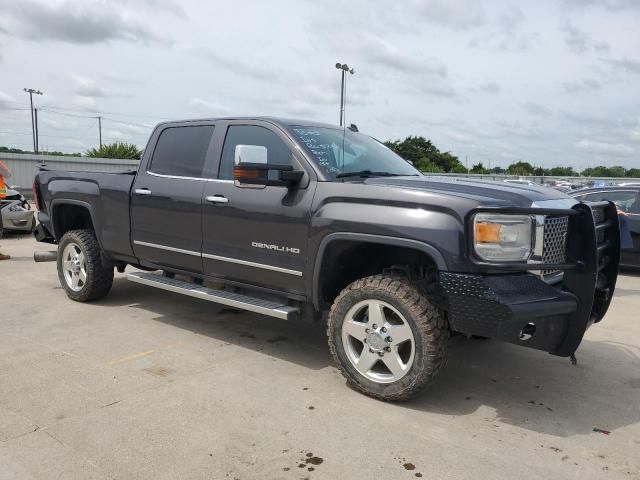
column 480, row 192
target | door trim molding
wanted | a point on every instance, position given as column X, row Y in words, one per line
column 170, row 249
column 252, row 264
column 220, row 258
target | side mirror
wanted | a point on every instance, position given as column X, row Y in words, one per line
column 265, row 174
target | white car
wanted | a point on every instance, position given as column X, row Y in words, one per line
column 519, row 181
column 16, row 213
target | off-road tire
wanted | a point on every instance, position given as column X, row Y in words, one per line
column 428, row 324
column 99, row 277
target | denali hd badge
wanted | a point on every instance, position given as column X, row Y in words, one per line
column 277, row 248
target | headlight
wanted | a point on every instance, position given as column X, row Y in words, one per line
column 15, row 208
column 502, row 238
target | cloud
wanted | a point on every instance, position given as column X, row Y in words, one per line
column 85, row 103
column 211, row 108
column 459, row 15
column 86, row 87
column 604, row 148
column 536, row 109
column 581, row 42
column 439, row 89
column 6, row 101
column 612, row 5
column 577, row 40
column 254, row 70
column 489, row 87
column 511, row 19
column 382, row 53
column 626, row 65
column 582, row 85
column 75, row 21
column 518, row 129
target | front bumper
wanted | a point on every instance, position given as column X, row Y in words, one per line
column 521, row 308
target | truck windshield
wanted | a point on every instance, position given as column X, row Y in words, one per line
column 346, row 154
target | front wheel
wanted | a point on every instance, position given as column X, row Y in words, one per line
column 388, row 340
column 80, row 268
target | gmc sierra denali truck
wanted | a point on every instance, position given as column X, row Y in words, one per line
column 295, row 219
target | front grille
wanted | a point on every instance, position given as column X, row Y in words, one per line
column 554, row 247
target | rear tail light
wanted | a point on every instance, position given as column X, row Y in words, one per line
column 36, row 195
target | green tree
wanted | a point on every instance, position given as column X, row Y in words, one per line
column 633, row 173
column 561, row 172
column 426, row 165
column 602, row 171
column 520, row 168
column 421, row 151
column 498, row 170
column 479, row 168
column 116, row 150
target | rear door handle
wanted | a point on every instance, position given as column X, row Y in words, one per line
column 217, row 199
column 142, row 191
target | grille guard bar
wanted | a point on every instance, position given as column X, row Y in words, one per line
column 577, row 264
column 591, row 267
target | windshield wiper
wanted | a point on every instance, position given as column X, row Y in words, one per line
column 369, row 173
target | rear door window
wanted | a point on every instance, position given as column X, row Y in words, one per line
column 181, row 151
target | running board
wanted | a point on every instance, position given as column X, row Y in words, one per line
column 236, row 300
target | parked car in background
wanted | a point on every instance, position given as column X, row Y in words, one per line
column 519, row 181
column 597, row 184
column 627, row 199
column 16, row 213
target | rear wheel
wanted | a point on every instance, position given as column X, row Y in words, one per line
column 388, row 340
column 80, row 268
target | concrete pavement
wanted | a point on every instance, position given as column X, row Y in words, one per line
column 151, row 385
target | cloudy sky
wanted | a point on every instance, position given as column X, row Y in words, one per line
column 546, row 81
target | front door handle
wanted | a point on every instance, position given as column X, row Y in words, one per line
column 142, row 191
column 217, row 199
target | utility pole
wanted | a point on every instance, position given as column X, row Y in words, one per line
column 100, row 129
column 35, row 115
column 344, row 69
column 466, row 163
column 31, row 91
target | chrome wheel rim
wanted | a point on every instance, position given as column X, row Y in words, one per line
column 74, row 267
column 378, row 341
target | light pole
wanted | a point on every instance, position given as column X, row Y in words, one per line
column 344, row 69
column 31, row 91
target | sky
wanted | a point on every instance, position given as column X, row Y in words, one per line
column 551, row 82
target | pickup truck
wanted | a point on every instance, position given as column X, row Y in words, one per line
column 302, row 220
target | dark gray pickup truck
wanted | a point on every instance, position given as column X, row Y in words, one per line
column 295, row 219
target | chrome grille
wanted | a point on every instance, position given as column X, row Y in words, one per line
column 554, row 248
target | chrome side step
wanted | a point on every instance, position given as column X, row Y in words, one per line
column 236, row 300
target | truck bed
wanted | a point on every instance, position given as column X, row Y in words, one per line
column 105, row 194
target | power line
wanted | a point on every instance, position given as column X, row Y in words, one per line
column 118, row 114
column 44, row 109
column 6, row 132
column 128, row 123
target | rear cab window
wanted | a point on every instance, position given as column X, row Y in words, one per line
column 181, row 151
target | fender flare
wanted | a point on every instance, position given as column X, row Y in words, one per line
column 426, row 248
column 80, row 203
